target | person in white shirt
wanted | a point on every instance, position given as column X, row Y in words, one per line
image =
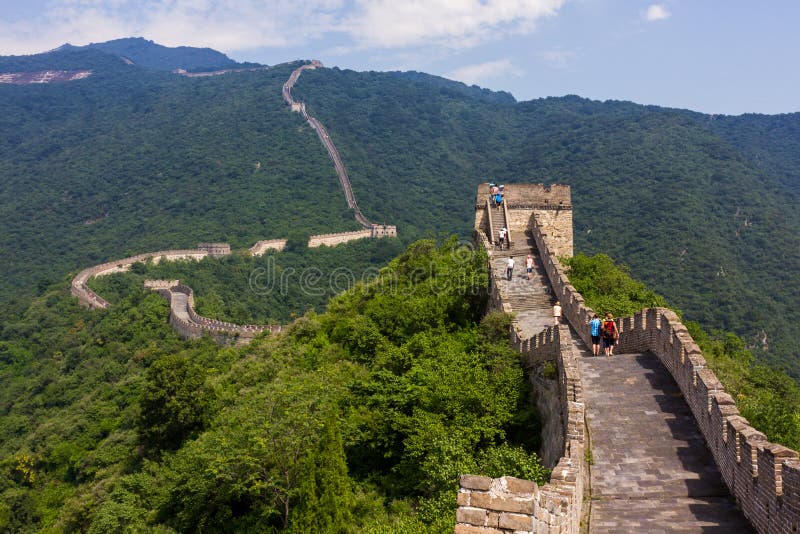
column 529, row 266
column 510, row 268
column 557, row 313
column 503, row 232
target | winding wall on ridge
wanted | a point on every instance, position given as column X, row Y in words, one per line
column 191, row 325
column 322, row 133
column 182, row 315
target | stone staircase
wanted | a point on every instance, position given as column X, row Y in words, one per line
column 498, row 218
column 532, row 300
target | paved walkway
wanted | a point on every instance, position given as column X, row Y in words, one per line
column 179, row 305
column 652, row 471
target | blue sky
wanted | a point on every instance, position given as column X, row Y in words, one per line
column 730, row 57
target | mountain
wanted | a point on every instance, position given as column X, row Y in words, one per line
column 151, row 55
column 131, row 159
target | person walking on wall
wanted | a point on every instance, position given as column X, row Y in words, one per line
column 529, row 266
column 610, row 334
column 502, row 236
column 594, row 330
column 557, row 313
column 510, row 268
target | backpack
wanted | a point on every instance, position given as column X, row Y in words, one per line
column 609, row 330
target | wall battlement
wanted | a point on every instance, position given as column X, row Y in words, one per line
column 191, row 325
column 525, row 195
column 763, row 477
column 524, row 205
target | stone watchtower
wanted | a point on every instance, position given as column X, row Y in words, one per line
column 550, row 205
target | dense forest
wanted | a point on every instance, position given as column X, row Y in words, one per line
column 133, row 159
column 360, row 418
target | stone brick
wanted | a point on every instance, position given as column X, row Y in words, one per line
column 473, row 516
column 512, row 504
column 462, row 498
column 471, row 529
column 516, row 522
column 476, row 482
column 481, row 500
column 519, row 485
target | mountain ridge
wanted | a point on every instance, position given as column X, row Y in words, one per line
column 692, row 212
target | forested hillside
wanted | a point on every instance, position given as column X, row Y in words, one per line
column 689, row 209
column 357, row 420
column 130, row 160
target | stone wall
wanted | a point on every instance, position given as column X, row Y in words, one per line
column 262, row 246
column 377, row 231
column 89, row 299
column 215, row 249
column 763, row 477
column 383, row 230
column 507, row 505
column 197, row 325
column 332, row 240
column 531, row 195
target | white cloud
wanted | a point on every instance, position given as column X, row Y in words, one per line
column 557, row 59
column 656, row 12
column 452, row 23
column 237, row 25
column 481, row 72
column 227, row 25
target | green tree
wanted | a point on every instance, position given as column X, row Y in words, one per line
column 176, row 402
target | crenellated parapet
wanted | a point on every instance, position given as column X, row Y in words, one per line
column 763, row 477
column 191, row 325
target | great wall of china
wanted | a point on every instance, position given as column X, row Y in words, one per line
column 183, row 317
column 644, row 441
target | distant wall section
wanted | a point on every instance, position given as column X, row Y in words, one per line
column 86, row 297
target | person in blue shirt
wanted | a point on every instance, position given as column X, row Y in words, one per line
column 594, row 325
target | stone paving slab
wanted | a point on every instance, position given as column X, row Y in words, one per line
column 667, row 514
column 651, row 471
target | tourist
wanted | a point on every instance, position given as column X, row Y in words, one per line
column 493, row 190
column 557, row 313
column 610, row 334
column 594, row 328
column 510, row 268
column 502, row 236
column 529, row 266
